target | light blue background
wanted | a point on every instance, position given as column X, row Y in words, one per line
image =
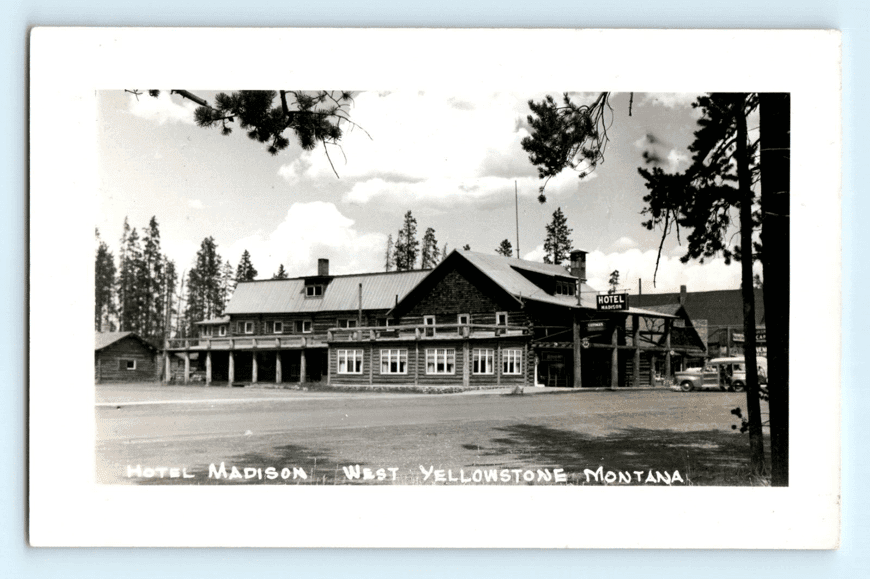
column 18, row 560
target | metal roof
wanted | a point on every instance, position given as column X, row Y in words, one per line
column 504, row 271
column 380, row 291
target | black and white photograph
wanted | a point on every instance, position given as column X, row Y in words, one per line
column 545, row 288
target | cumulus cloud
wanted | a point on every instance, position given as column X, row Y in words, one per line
column 624, row 243
column 536, row 254
column 432, row 147
column 162, row 109
column 635, row 264
column 311, row 231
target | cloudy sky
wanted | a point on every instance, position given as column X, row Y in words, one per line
column 451, row 159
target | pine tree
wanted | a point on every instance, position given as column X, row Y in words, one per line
column 205, row 297
column 429, row 253
column 505, row 248
column 613, row 282
column 444, row 251
column 131, row 298
column 104, row 287
column 172, row 308
column 228, row 282
column 281, row 273
column 389, row 258
column 246, row 270
column 407, row 246
column 557, row 245
column 151, row 284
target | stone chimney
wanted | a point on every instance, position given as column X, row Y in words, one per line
column 682, row 295
column 578, row 264
column 323, row 267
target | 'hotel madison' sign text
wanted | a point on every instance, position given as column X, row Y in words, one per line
column 612, row 301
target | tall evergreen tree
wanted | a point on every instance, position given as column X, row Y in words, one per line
column 444, row 251
column 702, row 199
column 429, row 253
column 131, row 294
column 407, row 246
column 557, row 245
column 613, row 282
column 205, row 298
column 389, row 258
column 151, row 284
column 246, row 270
column 228, row 282
column 281, row 273
column 505, row 248
column 172, row 309
column 104, row 287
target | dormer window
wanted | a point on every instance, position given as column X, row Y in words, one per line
column 313, row 291
column 565, row 288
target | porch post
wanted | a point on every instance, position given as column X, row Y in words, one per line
column 668, row 324
column 371, row 362
column 278, row 376
column 208, row 368
column 167, row 368
column 614, row 357
column 635, row 325
column 416, row 361
column 498, row 364
column 302, row 366
column 186, row 367
column 652, row 370
column 253, row 366
column 232, row 368
column 466, row 366
column 578, row 349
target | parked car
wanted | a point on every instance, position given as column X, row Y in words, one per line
column 723, row 373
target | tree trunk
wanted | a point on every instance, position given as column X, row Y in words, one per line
column 775, row 196
column 744, row 179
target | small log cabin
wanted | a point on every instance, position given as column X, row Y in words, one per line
column 124, row 357
column 474, row 320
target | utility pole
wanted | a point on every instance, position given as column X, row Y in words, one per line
column 517, row 210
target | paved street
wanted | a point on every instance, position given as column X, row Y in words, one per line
column 314, row 437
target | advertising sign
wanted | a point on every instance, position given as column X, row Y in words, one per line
column 612, row 301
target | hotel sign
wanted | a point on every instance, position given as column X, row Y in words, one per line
column 612, row 301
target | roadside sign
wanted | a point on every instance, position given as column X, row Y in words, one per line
column 612, row 301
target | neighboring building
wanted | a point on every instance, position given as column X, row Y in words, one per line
column 124, row 357
column 476, row 319
column 721, row 311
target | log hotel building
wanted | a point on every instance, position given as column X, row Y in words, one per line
column 475, row 320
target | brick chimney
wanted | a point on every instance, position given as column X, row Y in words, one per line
column 578, row 264
column 323, row 267
column 682, row 295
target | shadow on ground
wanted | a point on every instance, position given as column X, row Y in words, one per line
column 708, row 457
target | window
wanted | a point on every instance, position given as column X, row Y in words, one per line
column 482, row 361
column 463, row 318
column 429, row 321
column 313, row 291
column 302, row 326
column 240, row 328
column 564, row 288
column 126, row 364
column 384, row 322
column 350, row 361
column 394, row 361
column 249, row 327
column 347, row 323
column 206, row 331
column 501, row 318
column 512, row 362
column 440, row 360
column 222, row 330
column 278, row 328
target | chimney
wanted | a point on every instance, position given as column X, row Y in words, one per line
column 578, row 264
column 323, row 267
column 682, row 295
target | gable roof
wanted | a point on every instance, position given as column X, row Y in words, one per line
column 380, row 292
column 718, row 307
column 105, row 339
column 504, row 271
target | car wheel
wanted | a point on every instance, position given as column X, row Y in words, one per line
column 686, row 386
column 739, row 387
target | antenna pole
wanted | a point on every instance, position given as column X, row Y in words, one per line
column 517, row 209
